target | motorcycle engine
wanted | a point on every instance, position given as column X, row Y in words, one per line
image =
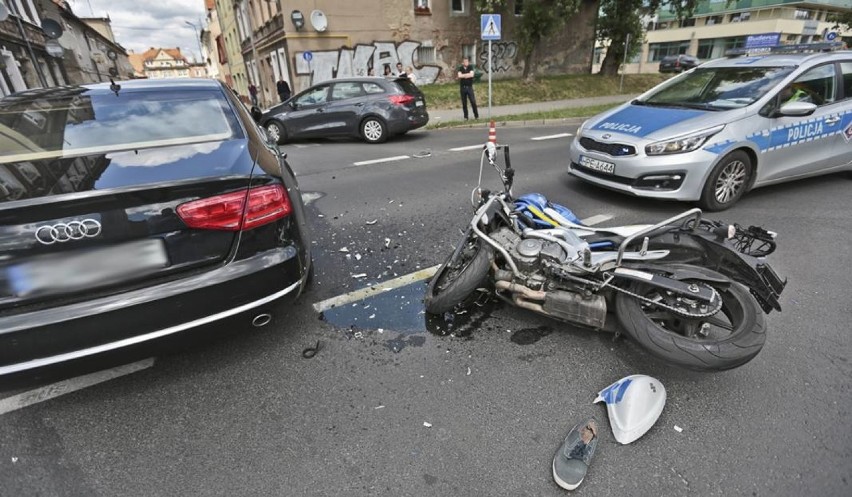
column 530, row 252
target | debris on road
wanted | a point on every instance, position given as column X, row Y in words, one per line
column 357, row 257
column 379, row 407
column 359, row 275
column 427, row 424
column 678, row 429
column 370, row 223
column 310, row 352
column 387, row 242
column 468, row 370
column 633, row 403
column 344, row 250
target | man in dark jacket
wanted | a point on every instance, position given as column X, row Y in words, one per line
column 283, row 90
column 466, row 73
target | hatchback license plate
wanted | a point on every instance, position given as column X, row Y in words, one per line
column 597, row 165
column 88, row 269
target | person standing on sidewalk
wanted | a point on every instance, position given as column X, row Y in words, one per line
column 283, row 90
column 466, row 73
column 253, row 93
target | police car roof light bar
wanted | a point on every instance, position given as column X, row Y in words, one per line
column 787, row 49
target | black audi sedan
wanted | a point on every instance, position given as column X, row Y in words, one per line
column 135, row 211
column 371, row 108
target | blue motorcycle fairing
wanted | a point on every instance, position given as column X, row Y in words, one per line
column 539, row 201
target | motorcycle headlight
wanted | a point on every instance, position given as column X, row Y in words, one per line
column 683, row 144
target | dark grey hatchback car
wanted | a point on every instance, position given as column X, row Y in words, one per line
column 371, row 108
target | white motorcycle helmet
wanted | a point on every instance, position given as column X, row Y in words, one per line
column 634, row 404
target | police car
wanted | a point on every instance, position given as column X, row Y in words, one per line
column 725, row 127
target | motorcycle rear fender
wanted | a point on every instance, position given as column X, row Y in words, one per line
column 701, row 248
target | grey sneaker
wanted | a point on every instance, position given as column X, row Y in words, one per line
column 574, row 456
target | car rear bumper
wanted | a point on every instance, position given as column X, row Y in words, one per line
column 59, row 334
column 409, row 122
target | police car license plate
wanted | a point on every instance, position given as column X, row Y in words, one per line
column 86, row 269
column 418, row 103
column 597, row 165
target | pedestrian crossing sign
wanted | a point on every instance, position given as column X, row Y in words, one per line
column 490, row 26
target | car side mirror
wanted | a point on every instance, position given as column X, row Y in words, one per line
column 797, row 109
column 292, row 105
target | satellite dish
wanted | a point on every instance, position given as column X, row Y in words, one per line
column 51, row 28
column 4, row 12
column 54, row 49
column 319, row 21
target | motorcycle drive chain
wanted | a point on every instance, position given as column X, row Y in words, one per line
column 680, row 312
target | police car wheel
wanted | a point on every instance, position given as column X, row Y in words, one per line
column 727, row 182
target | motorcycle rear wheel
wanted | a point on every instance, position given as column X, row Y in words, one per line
column 740, row 322
column 459, row 276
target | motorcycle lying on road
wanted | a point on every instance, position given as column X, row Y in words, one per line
column 693, row 292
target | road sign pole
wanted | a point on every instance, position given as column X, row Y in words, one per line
column 489, row 80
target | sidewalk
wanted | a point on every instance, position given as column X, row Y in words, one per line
column 445, row 115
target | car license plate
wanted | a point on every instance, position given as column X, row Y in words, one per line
column 54, row 274
column 418, row 103
column 597, row 165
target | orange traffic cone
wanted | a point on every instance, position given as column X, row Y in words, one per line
column 492, row 133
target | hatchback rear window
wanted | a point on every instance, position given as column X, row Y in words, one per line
column 80, row 121
column 407, row 86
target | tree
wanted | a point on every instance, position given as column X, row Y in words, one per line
column 540, row 20
column 841, row 20
column 618, row 18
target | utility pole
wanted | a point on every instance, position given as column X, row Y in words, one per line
column 198, row 41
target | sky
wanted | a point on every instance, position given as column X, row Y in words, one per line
column 141, row 24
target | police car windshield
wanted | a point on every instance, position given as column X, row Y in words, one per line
column 717, row 88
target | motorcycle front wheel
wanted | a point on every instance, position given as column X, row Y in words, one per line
column 462, row 273
column 730, row 338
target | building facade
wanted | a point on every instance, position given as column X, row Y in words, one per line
column 83, row 51
column 213, row 50
column 307, row 41
column 718, row 26
column 231, row 54
column 158, row 63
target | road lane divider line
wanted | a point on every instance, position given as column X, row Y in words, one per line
column 379, row 161
column 598, row 219
column 551, row 137
column 469, row 147
column 348, row 298
column 407, row 279
column 63, row 387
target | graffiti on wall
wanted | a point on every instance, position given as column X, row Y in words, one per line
column 502, row 52
column 349, row 62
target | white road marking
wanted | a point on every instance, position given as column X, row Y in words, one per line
column 304, row 145
column 551, row 137
column 309, row 197
column 348, row 298
column 407, row 279
column 469, row 147
column 591, row 221
column 378, row 161
column 54, row 390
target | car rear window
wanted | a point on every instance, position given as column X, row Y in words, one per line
column 407, row 86
column 80, row 121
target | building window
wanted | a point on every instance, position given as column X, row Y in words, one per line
column 656, row 51
column 422, row 7
column 687, row 22
column 519, row 7
column 713, row 20
column 740, row 17
column 425, row 55
column 469, row 51
column 803, row 15
column 457, row 6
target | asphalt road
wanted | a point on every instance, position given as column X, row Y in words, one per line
column 245, row 414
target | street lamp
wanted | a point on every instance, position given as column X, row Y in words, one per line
column 197, row 40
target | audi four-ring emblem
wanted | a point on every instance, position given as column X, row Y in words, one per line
column 63, row 232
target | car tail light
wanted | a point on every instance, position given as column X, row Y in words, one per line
column 229, row 212
column 401, row 99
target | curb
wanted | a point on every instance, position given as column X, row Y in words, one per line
column 566, row 121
